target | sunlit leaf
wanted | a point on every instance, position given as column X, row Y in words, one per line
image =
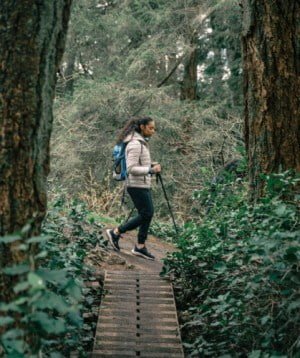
column 75, row 318
column 9, row 239
column 74, row 290
column 41, row 255
column 5, row 307
column 14, row 347
column 54, row 276
column 21, row 286
column 294, row 305
column 13, row 334
column 56, row 355
column 35, row 280
column 47, row 323
column 220, row 266
column 265, row 319
column 16, row 270
column 53, row 301
column 38, row 239
column 255, row 354
column 281, row 210
column 5, row 320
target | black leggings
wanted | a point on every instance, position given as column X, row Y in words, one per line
column 142, row 200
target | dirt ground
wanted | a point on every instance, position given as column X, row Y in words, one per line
column 110, row 260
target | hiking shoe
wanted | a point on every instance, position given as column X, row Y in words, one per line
column 142, row 252
column 113, row 239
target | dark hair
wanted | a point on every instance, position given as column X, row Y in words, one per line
column 133, row 125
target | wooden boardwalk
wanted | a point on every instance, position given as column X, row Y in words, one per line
column 137, row 317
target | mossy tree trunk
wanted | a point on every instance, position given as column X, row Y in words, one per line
column 271, row 52
column 31, row 46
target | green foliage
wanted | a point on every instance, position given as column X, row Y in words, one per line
column 86, row 128
column 123, row 50
column 45, row 317
column 163, row 230
column 237, row 273
column 43, row 304
column 220, row 56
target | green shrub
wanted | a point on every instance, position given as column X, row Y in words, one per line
column 237, row 273
column 45, row 318
column 163, row 230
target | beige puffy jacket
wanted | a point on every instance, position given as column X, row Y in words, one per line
column 138, row 161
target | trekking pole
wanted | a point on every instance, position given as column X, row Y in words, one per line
column 123, row 202
column 132, row 210
column 159, row 177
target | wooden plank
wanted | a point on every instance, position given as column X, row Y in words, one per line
column 139, row 297
column 137, row 292
column 137, row 317
column 146, row 330
column 107, row 312
column 113, row 353
column 160, row 355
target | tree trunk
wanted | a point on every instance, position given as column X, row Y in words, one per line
column 189, row 82
column 31, row 46
column 271, row 54
column 69, row 60
column 69, row 74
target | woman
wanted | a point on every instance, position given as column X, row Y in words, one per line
column 136, row 134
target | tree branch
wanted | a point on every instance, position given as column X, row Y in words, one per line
column 171, row 72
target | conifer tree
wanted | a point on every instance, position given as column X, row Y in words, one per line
column 271, row 88
column 31, row 48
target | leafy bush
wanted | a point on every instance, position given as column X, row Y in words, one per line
column 163, row 230
column 45, row 318
column 237, row 273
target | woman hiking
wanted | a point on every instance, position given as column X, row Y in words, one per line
column 136, row 134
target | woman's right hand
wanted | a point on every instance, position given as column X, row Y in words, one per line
column 156, row 168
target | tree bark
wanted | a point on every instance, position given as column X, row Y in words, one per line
column 271, row 64
column 69, row 60
column 189, row 82
column 32, row 39
column 69, row 74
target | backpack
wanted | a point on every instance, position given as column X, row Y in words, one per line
column 119, row 165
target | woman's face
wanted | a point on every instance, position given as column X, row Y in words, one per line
column 148, row 130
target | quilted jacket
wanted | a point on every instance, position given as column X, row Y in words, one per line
column 138, row 161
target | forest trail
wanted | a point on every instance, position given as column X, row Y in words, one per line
column 125, row 260
column 137, row 315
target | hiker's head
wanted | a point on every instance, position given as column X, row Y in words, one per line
column 143, row 125
column 146, row 127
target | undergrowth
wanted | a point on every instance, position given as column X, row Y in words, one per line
column 46, row 316
column 236, row 272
